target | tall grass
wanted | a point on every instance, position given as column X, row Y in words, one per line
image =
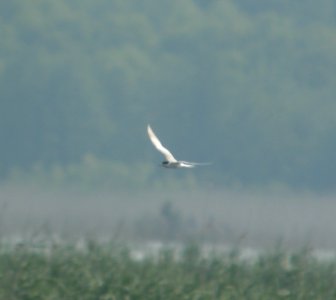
column 102, row 272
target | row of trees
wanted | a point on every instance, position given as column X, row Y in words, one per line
column 248, row 87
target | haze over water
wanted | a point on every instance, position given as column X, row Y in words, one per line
column 227, row 217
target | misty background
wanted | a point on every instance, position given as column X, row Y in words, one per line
column 249, row 86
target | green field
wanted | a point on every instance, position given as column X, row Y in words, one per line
column 98, row 271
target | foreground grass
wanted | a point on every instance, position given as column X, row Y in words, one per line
column 100, row 272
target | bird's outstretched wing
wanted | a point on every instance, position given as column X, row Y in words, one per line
column 157, row 144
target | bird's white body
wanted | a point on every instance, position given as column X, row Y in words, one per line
column 178, row 164
column 170, row 161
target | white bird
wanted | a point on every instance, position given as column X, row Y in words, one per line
column 170, row 161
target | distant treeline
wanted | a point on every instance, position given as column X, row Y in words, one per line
column 249, row 87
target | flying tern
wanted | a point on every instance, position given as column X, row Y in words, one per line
column 170, row 162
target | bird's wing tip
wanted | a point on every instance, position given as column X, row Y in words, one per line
column 149, row 129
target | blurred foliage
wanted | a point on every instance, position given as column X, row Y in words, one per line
column 92, row 173
column 247, row 86
column 97, row 271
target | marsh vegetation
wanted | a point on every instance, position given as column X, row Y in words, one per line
column 97, row 271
